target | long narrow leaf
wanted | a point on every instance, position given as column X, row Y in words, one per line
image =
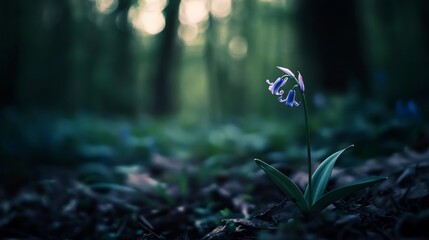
column 284, row 183
column 320, row 177
column 344, row 191
column 112, row 186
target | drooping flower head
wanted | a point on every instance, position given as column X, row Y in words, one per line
column 275, row 87
column 290, row 74
column 290, row 99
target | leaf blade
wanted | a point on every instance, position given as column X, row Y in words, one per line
column 284, row 183
column 344, row 191
column 321, row 176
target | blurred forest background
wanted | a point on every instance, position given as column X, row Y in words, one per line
column 96, row 78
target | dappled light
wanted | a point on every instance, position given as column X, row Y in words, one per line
column 237, row 47
column 221, row 8
column 106, row 6
column 193, row 16
column 147, row 16
column 193, row 11
column 149, row 22
column 153, row 5
column 189, row 34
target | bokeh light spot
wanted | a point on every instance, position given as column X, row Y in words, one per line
column 237, row 47
column 106, row 6
column 189, row 34
column 154, row 5
column 147, row 17
column 220, row 8
column 193, row 11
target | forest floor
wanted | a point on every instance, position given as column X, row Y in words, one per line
column 92, row 178
column 226, row 208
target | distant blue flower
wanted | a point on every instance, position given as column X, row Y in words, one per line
column 409, row 109
column 275, row 87
column 290, row 99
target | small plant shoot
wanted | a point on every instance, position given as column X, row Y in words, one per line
column 315, row 198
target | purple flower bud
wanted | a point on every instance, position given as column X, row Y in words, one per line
column 290, row 99
column 301, row 82
column 275, row 87
column 287, row 71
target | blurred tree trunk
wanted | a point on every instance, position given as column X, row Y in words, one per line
column 44, row 41
column 213, row 71
column 242, row 88
column 9, row 51
column 227, row 75
column 58, row 22
column 86, row 52
column 330, row 31
column 396, row 47
column 163, row 88
column 122, row 59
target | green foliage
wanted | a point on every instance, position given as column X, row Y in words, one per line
column 226, row 212
column 284, row 183
column 321, row 177
column 112, row 186
column 344, row 191
column 320, row 181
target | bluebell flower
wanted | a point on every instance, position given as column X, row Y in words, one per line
column 290, row 99
column 281, row 81
column 301, row 82
column 275, row 87
column 408, row 109
column 287, row 71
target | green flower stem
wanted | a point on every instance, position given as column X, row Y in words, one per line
column 304, row 102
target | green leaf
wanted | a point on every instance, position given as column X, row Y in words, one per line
column 320, row 177
column 112, row 186
column 284, row 183
column 344, row 191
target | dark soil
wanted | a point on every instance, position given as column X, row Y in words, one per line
column 69, row 204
